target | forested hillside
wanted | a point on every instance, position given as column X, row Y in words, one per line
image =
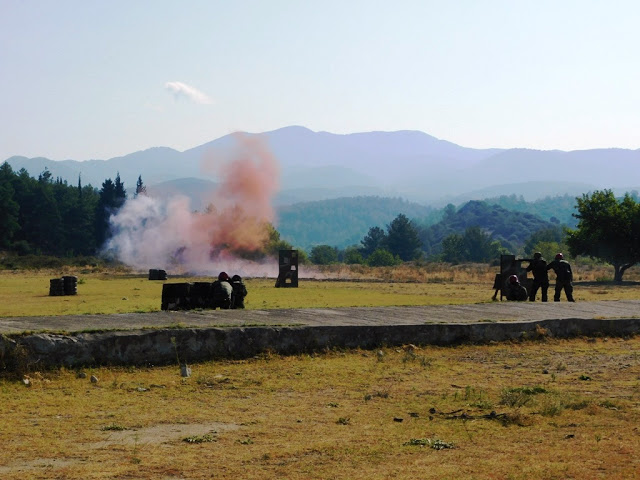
column 510, row 228
column 343, row 222
column 558, row 210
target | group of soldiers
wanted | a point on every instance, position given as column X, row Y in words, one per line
column 539, row 268
column 229, row 292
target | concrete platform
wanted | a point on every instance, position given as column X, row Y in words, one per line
column 356, row 316
column 156, row 338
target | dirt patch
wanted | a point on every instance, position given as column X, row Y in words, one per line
column 156, row 434
column 37, row 464
column 165, row 433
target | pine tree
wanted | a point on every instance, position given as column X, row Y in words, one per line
column 374, row 240
column 9, row 208
column 402, row 238
column 104, row 209
column 120, row 194
column 43, row 226
column 140, row 188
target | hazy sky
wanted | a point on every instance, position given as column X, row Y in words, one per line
column 98, row 79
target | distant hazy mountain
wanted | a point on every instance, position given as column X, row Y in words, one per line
column 603, row 168
column 155, row 165
column 410, row 164
column 198, row 191
column 529, row 191
column 302, row 195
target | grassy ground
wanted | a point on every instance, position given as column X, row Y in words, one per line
column 27, row 293
column 551, row 409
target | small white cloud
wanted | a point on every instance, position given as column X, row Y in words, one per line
column 182, row 90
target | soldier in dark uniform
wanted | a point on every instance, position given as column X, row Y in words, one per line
column 222, row 291
column 515, row 290
column 564, row 278
column 239, row 292
column 540, row 277
column 497, row 286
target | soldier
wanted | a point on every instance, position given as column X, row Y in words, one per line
column 564, row 278
column 515, row 290
column 497, row 285
column 222, row 291
column 239, row 292
column 540, row 277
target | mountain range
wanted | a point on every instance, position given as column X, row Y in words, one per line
column 408, row 164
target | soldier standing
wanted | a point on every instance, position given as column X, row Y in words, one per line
column 540, row 277
column 564, row 278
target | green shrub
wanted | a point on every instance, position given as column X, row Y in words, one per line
column 383, row 258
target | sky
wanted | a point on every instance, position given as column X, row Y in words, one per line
column 98, row 79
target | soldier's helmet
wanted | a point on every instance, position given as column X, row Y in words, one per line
column 537, row 255
column 513, row 279
column 223, row 277
column 236, row 278
column 559, row 256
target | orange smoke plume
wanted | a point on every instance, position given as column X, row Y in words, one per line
column 242, row 203
column 149, row 233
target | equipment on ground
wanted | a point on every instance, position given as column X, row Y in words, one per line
column 511, row 266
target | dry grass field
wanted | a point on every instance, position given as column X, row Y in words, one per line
column 100, row 292
column 534, row 410
column 549, row 409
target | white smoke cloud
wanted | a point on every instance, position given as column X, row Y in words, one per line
column 153, row 233
column 182, row 90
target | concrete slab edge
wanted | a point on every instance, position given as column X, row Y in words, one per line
column 166, row 346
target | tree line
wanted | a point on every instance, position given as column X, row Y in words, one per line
column 47, row 216
column 50, row 217
column 477, row 232
column 607, row 230
column 401, row 242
